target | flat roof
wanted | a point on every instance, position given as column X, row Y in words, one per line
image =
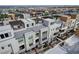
column 34, row 29
column 38, row 27
column 30, row 20
column 55, row 25
column 24, row 20
column 5, row 28
column 48, row 19
column 17, row 23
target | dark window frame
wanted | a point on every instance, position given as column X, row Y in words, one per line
column 37, row 40
column 6, row 35
column 27, row 25
column 32, row 24
column 2, row 36
column 30, row 44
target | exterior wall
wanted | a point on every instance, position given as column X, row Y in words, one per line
column 29, row 39
column 77, row 32
column 6, row 29
column 71, row 24
column 26, row 16
column 46, row 23
column 49, row 24
column 77, row 17
column 45, row 35
column 29, row 22
column 53, row 31
column 15, row 45
column 37, row 37
column 12, row 16
column 9, row 46
column 21, row 44
column 8, row 40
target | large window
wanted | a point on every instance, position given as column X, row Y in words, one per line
column 30, row 44
column 5, row 35
column 27, row 25
column 30, row 39
column 21, row 47
column 44, row 34
column 20, row 40
column 37, row 40
column 51, row 23
column 37, row 34
column 55, row 33
column 44, row 38
column 32, row 24
column 2, row 36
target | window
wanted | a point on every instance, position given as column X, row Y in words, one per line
column 22, row 47
column 2, row 47
column 51, row 23
column 30, row 39
column 2, row 36
column 45, row 45
column 57, row 28
column 27, row 25
column 44, row 38
column 55, row 33
column 37, row 40
column 32, row 24
column 31, row 44
column 6, row 35
column 20, row 39
column 61, row 30
column 62, row 44
column 45, row 32
column 37, row 34
column 9, row 45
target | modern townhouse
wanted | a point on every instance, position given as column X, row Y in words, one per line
column 8, row 44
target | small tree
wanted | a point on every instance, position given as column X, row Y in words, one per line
column 2, row 16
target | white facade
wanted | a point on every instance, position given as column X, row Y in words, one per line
column 6, row 30
column 53, row 27
column 32, row 22
column 68, row 25
column 8, row 44
column 71, row 25
column 44, row 35
column 29, row 40
column 26, row 16
column 28, row 22
column 25, row 39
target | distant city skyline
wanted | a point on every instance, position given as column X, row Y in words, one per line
column 27, row 6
